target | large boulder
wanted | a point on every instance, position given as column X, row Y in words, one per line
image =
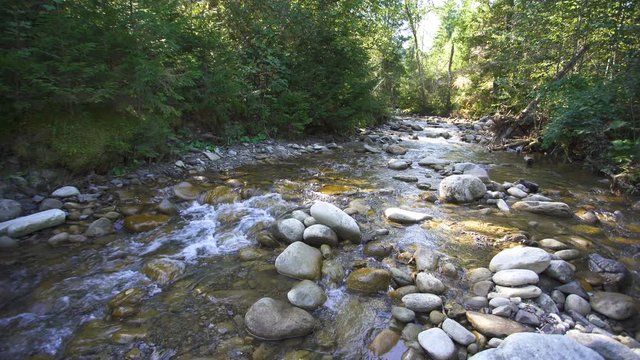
column 461, row 188
column 603, row 345
column 492, row 325
column 437, row 344
column 538, row 346
column 550, row 208
column 369, row 280
column 339, row 221
column 405, row 216
column 9, row 209
column 289, row 230
column 614, row 305
column 28, row 224
column 271, row 319
column 300, row 261
column 530, row 258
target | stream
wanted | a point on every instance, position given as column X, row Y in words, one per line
column 55, row 301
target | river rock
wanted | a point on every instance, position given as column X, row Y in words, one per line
column 300, row 261
column 560, row 270
column 144, row 222
column 31, row 223
column 405, row 216
column 492, row 325
column 610, row 269
column 515, row 277
column 426, row 259
column 164, row 271
column 478, row 274
column 568, row 254
column 384, row 342
column 503, row 206
column 428, row 283
column 377, row 248
column 524, row 292
column 317, row 235
column 577, row 304
column 271, row 319
column 514, row 191
column 557, row 209
column 538, row 346
column 398, row 164
column 66, row 191
column 437, row 344
column 402, row 314
column 527, row 318
column 99, row 227
column 7, row 242
column 167, row 207
column 307, row 295
column 461, row 188
column 344, row 225
column 369, row 280
column 457, row 332
column 9, row 209
column 573, row 287
column 603, row 345
column 406, row 178
column 530, row 258
column 186, row 191
column 482, row 288
column 422, row 302
column 614, row 305
column 289, row 230
column 48, row 204
column 396, row 150
column 553, row 244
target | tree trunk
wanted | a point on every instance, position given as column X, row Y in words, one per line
column 414, row 32
column 450, row 84
column 525, row 115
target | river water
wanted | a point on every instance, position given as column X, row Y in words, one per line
column 55, row 299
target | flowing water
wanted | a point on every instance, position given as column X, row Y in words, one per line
column 54, row 300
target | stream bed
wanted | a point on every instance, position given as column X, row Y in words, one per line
column 56, row 302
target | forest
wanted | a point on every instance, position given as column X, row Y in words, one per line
column 90, row 84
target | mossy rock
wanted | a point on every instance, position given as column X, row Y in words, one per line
column 368, row 280
column 219, row 195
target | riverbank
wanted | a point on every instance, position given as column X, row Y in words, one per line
column 153, row 263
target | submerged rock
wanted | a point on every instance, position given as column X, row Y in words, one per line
column 31, row 223
column 307, row 295
column 330, row 215
column 300, row 261
column 461, row 188
column 144, row 222
column 384, row 342
column 164, row 271
column 100, row 227
column 186, row 191
column 557, row 209
column 219, row 195
column 538, row 346
column 369, row 280
column 271, row 319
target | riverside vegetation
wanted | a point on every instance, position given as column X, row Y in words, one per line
column 90, row 85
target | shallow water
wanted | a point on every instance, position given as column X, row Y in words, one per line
column 54, row 301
